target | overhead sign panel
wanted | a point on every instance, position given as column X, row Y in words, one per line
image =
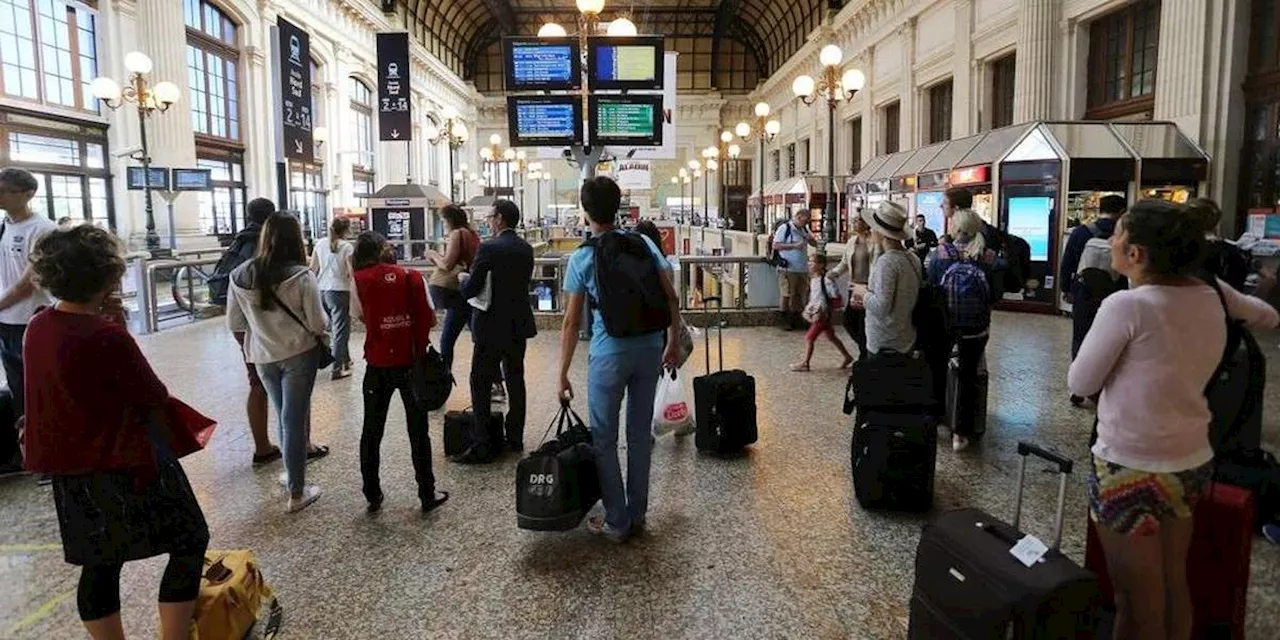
column 544, row 121
column 541, row 64
column 295, row 91
column 395, row 122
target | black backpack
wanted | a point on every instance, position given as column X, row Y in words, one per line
column 1229, row 262
column 233, row 257
column 631, row 300
column 775, row 259
column 1235, row 392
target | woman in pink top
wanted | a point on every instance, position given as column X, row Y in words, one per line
column 1151, row 353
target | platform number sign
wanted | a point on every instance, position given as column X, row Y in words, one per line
column 295, row 92
column 394, row 119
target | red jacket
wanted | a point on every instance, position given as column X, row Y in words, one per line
column 393, row 302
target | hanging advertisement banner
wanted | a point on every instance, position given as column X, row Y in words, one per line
column 633, row 175
column 395, row 122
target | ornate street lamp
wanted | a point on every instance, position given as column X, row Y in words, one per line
column 764, row 130
column 149, row 100
column 834, row 86
column 455, row 133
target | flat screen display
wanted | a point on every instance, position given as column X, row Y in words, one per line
column 536, row 64
column 192, row 180
column 625, row 63
column 634, row 121
column 929, row 205
column 544, row 121
column 159, row 178
column 1029, row 219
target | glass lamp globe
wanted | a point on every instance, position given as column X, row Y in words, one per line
column 460, row 130
column 495, row 139
column 464, row 167
column 449, row 112
column 712, row 164
column 105, row 88
column 853, row 80
column 734, row 150
column 762, row 109
column 591, row 6
column 137, row 62
column 802, row 86
column 521, row 155
column 551, row 30
column 622, row 27
column 675, row 180
column 830, row 56
column 694, row 164
column 509, row 155
column 743, row 129
column 486, row 153
column 166, row 93
column 683, row 172
column 726, row 136
column 773, row 127
column 320, row 134
column 431, row 132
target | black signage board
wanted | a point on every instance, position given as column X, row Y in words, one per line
column 159, row 179
column 402, row 224
column 394, row 120
column 295, row 92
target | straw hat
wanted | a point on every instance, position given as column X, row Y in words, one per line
column 887, row 218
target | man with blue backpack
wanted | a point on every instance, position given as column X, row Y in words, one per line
column 1086, row 271
column 963, row 266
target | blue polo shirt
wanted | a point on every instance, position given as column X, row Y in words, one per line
column 580, row 277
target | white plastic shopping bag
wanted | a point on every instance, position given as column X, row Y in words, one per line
column 671, row 409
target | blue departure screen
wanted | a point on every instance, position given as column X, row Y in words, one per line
column 536, row 64
column 545, row 121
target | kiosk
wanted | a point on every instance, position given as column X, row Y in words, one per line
column 399, row 212
column 857, row 190
column 905, row 184
column 1170, row 166
column 975, row 172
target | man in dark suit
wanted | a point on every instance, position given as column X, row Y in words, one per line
column 501, row 332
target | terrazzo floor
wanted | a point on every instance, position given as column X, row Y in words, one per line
column 768, row 546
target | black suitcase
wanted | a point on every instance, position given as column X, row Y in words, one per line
column 457, row 431
column 10, row 452
column 724, row 402
column 968, row 586
column 893, row 458
column 979, row 426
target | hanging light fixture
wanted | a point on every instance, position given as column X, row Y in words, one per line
column 622, row 27
column 552, row 30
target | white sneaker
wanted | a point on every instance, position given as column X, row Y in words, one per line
column 959, row 443
column 310, row 493
column 499, row 392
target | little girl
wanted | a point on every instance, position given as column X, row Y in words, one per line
column 824, row 299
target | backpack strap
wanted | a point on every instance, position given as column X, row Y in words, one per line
column 1227, row 349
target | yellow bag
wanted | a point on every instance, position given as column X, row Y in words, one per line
column 232, row 596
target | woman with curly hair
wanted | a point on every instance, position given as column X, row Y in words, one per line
column 120, row 492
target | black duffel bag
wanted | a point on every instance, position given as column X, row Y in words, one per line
column 890, row 381
column 557, row 484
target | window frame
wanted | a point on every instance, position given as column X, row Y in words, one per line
column 363, row 110
column 855, row 145
column 1122, row 24
column 941, row 106
column 1003, row 74
column 232, row 157
column 891, row 124
column 84, row 103
column 67, row 129
column 231, row 54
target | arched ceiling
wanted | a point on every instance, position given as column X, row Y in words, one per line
column 457, row 31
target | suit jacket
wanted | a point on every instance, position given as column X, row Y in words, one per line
column 507, row 260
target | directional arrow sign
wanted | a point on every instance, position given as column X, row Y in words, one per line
column 295, row 91
column 394, row 116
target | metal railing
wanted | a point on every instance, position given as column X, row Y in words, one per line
column 152, row 313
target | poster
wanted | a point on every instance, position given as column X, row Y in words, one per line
column 633, row 175
column 395, row 122
column 295, row 91
column 929, row 205
column 1029, row 219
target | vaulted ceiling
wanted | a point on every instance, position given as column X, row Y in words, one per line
column 459, row 31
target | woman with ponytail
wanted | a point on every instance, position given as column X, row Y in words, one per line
column 1150, row 353
column 331, row 262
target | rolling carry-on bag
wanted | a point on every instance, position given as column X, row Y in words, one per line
column 724, row 401
column 969, row 584
column 893, row 458
column 457, row 431
column 979, row 426
column 1217, row 564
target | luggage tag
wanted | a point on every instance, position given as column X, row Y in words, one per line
column 1029, row 550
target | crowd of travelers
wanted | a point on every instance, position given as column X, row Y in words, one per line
column 1144, row 348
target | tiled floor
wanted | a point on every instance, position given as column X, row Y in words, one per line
column 768, row 546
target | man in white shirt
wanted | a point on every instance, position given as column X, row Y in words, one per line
column 20, row 231
column 791, row 242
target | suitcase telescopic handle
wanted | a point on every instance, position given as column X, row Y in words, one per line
column 719, row 322
column 1064, row 469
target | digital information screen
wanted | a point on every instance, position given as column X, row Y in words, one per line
column 541, row 64
column 1029, row 219
column 626, row 63
column 552, row 122
column 618, row 120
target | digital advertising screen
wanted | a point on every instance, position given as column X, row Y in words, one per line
column 1029, row 219
column 625, row 63
column 626, row 120
column 929, row 205
column 544, row 121
column 535, row 64
column 192, row 180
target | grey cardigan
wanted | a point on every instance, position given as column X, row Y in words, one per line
column 891, row 296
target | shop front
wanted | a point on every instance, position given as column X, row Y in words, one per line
column 858, row 193
column 905, row 184
column 782, row 199
column 1170, row 166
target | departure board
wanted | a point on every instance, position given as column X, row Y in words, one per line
column 541, row 64
column 626, row 63
column 544, row 121
column 626, row 120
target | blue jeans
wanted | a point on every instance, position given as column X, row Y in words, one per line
column 11, row 336
column 457, row 315
column 288, row 384
column 634, row 373
column 337, row 305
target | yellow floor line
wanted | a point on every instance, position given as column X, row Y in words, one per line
column 39, row 614
column 11, row 549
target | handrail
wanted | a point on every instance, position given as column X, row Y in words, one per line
column 151, row 305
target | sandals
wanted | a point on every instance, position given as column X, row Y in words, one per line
column 800, row 367
column 319, row 452
column 267, row 458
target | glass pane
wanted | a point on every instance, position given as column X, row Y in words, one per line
column 40, row 204
column 26, row 147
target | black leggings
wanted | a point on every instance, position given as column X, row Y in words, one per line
column 99, row 594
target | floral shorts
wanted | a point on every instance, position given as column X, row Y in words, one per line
column 1134, row 502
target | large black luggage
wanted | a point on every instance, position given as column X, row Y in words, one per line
column 557, row 484
column 978, row 428
column 10, row 452
column 457, row 431
column 893, row 459
column 724, row 402
column 969, row 586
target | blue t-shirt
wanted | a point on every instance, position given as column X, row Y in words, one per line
column 797, row 259
column 580, row 277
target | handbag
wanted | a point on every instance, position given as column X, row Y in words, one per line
column 185, row 429
column 429, row 378
column 322, row 344
column 558, row 484
column 234, row 600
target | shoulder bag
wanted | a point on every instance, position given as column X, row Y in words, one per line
column 429, row 377
column 325, row 357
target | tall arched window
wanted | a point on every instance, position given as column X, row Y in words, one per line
column 362, row 117
column 431, row 168
column 50, row 54
column 213, row 77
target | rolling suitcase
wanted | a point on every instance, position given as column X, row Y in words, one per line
column 724, row 401
column 969, row 585
column 1217, row 564
column 979, row 427
column 457, row 431
column 893, row 459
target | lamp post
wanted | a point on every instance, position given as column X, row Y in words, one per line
column 455, row 134
column 834, row 87
column 149, row 99
column 712, row 165
column 520, row 169
column 764, row 130
column 683, row 174
column 695, row 170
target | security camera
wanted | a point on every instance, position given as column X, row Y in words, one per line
column 127, row 151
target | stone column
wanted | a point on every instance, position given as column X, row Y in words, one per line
column 870, row 128
column 963, row 73
column 1034, row 77
column 908, row 119
column 1181, row 63
column 342, row 129
column 169, row 134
